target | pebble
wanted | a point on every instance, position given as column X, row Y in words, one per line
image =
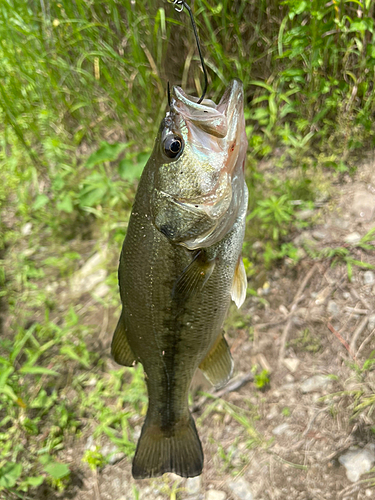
column 90, row 444
column 352, row 238
column 215, row 495
column 26, row 229
column 257, row 245
column 112, row 453
column 319, row 235
column 304, row 214
column 241, row 489
column 371, row 322
column 341, row 223
column 282, row 429
column 193, row 485
column 91, row 274
column 363, row 204
column 368, row 278
column 315, row 383
column 102, row 290
column 332, row 308
column 358, row 462
column 291, row 364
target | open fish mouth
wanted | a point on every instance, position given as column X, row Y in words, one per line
column 208, row 123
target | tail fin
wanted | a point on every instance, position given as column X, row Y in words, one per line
column 179, row 451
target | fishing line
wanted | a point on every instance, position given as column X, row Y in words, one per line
column 179, row 7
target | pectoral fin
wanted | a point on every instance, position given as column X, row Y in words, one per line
column 239, row 285
column 194, row 276
column 120, row 348
column 217, row 366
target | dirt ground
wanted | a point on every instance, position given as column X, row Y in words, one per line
column 308, row 328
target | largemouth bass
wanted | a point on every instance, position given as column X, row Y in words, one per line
column 180, row 266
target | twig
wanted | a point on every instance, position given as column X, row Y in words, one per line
column 358, row 297
column 357, row 332
column 312, row 420
column 297, row 299
column 365, row 342
column 234, row 385
column 343, row 341
column 356, row 311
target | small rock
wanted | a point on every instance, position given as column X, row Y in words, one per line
column 300, row 254
column 90, row 444
column 112, row 453
column 289, row 378
column 304, row 214
column 346, row 295
column 352, row 238
column 302, row 312
column 282, row 429
column 358, row 462
column 298, row 321
column 332, row 308
column 291, row 364
column 193, row 485
column 341, row 223
column 101, row 290
column 363, row 204
column 215, row 495
column 315, row 383
column 319, row 235
column 26, row 229
column 368, row 278
column 371, row 322
column 257, row 245
column 91, row 274
column 241, row 489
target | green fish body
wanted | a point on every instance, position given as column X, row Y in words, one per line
column 180, row 267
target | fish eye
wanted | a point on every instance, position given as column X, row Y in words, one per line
column 173, row 146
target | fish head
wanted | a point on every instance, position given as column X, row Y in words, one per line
column 198, row 173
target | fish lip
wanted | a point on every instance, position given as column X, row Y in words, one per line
column 215, row 119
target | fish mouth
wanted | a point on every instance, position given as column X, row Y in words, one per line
column 219, row 120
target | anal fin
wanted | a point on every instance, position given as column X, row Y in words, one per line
column 120, row 348
column 239, row 285
column 217, row 366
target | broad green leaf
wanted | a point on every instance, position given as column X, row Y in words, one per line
column 106, row 152
column 41, row 201
column 57, row 470
column 128, row 170
column 66, row 204
column 31, row 481
column 9, row 474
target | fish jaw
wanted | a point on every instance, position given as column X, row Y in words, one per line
column 206, row 183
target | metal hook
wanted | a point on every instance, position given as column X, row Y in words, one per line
column 179, row 7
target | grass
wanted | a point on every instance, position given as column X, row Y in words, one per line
column 82, row 91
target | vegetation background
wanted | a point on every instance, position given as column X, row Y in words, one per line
column 82, row 92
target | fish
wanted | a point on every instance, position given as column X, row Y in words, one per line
column 180, row 267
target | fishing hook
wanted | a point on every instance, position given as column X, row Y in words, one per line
column 179, row 7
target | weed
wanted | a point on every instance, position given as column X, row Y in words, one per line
column 306, row 341
column 262, row 380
